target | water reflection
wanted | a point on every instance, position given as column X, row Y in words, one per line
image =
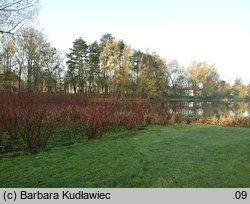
column 209, row 109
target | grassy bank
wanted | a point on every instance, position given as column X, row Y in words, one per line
column 158, row 156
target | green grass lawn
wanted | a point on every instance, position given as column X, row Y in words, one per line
column 158, row 156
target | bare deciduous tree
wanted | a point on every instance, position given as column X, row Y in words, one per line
column 15, row 13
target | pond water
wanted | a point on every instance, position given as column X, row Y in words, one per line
column 208, row 109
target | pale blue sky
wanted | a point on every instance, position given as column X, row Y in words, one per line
column 217, row 31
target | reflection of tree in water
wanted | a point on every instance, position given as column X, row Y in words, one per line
column 208, row 109
column 217, row 109
column 239, row 109
column 248, row 108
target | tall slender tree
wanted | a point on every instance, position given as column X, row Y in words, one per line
column 7, row 63
column 37, row 61
column 77, row 65
column 94, row 67
column 105, row 54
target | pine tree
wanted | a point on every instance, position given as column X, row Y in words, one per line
column 77, row 65
column 94, row 67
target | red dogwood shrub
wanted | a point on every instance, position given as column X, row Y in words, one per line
column 30, row 116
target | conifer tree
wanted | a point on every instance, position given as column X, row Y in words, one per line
column 94, row 67
column 77, row 65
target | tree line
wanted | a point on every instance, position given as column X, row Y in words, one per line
column 110, row 67
column 28, row 62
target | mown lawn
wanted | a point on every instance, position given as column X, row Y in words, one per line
column 158, row 156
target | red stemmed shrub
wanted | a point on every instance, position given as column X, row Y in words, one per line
column 36, row 119
column 1, row 122
column 142, row 113
column 1, row 134
column 134, row 113
column 1, row 127
column 8, row 115
column 97, row 117
column 69, row 119
column 30, row 116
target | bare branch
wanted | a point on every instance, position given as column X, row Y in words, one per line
column 11, row 4
column 15, row 13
